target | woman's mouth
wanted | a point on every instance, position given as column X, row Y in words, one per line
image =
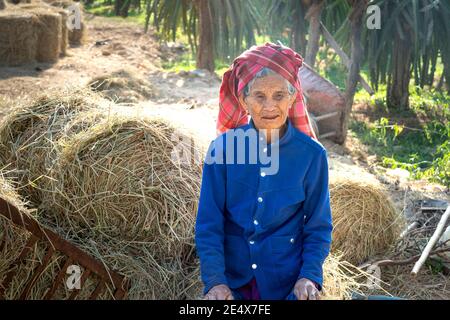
column 270, row 117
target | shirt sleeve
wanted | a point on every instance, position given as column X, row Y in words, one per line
column 318, row 222
column 209, row 228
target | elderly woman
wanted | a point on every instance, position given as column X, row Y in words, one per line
column 262, row 235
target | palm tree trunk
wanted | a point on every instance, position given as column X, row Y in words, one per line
column 205, row 52
column 298, row 37
column 356, row 22
column 121, row 7
column 445, row 55
column 398, row 86
column 117, row 5
column 313, row 15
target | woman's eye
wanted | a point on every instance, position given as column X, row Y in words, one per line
column 279, row 97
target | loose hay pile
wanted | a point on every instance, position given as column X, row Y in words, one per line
column 364, row 219
column 28, row 134
column 117, row 184
column 123, row 86
column 341, row 279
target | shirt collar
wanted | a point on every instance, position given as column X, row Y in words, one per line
column 284, row 139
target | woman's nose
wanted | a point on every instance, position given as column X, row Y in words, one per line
column 269, row 104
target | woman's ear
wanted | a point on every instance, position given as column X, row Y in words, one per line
column 242, row 102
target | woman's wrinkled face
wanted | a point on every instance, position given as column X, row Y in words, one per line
column 268, row 101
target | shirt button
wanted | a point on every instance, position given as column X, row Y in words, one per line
column 265, row 150
column 255, row 222
column 260, row 199
column 254, row 266
column 263, row 174
column 251, row 242
column 292, row 240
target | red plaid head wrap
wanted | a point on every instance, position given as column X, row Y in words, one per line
column 280, row 59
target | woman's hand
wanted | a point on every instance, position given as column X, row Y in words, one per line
column 306, row 290
column 219, row 292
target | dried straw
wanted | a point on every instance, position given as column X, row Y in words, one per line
column 428, row 285
column 18, row 38
column 27, row 135
column 50, row 33
column 39, row 6
column 123, row 86
column 341, row 279
column 117, row 193
column 364, row 218
column 14, row 239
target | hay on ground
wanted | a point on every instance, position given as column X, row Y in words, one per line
column 341, row 279
column 123, row 86
column 364, row 219
column 18, row 38
column 429, row 284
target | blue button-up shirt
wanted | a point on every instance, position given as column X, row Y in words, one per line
column 275, row 227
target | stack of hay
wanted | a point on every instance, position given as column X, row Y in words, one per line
column 35, row 32
column 364, row 219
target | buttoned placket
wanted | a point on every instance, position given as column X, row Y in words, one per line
column 263, row 184
column 259, row 205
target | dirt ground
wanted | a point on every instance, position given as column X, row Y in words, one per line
column 189, row 99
